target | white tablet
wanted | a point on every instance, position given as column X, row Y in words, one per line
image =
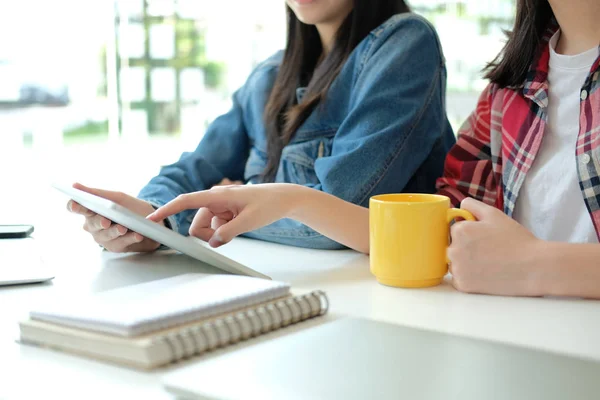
column 191, row 246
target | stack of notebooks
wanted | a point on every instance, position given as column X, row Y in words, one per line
column 153, row 324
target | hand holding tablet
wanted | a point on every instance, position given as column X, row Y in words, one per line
column 114, row 237
column 107, row 212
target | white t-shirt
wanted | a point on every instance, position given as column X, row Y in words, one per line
column 550, row 203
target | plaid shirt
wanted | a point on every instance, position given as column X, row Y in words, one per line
column 498, row 143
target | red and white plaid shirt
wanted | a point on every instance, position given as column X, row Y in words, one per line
column 498, row 143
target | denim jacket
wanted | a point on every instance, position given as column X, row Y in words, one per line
column 382, row 128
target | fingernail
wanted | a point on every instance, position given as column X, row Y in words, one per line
column 137, row 237
column 215, row 240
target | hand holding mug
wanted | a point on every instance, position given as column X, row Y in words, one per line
column 409, row 238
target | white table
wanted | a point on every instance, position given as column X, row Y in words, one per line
column 569, row 326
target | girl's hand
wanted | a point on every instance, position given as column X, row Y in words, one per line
column 225, row 212
column 114, row 237
column 494, row 255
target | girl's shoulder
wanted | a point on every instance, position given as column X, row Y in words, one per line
column 402, row 32
column 260, row 81
column 404, row 23
column 266, row 71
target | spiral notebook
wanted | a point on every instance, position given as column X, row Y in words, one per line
column 156, row 323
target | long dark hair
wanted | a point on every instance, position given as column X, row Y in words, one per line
column 511, row 66
column 283, row 115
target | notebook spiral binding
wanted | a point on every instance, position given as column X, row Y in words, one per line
column 198, row 339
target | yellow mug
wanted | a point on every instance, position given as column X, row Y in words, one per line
column 409, row 237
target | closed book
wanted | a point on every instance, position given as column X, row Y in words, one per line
column 156, row 323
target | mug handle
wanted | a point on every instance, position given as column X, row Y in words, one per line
column 454, row 213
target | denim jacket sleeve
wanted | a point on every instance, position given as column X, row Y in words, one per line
column 221, row 153
column 395, row 117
